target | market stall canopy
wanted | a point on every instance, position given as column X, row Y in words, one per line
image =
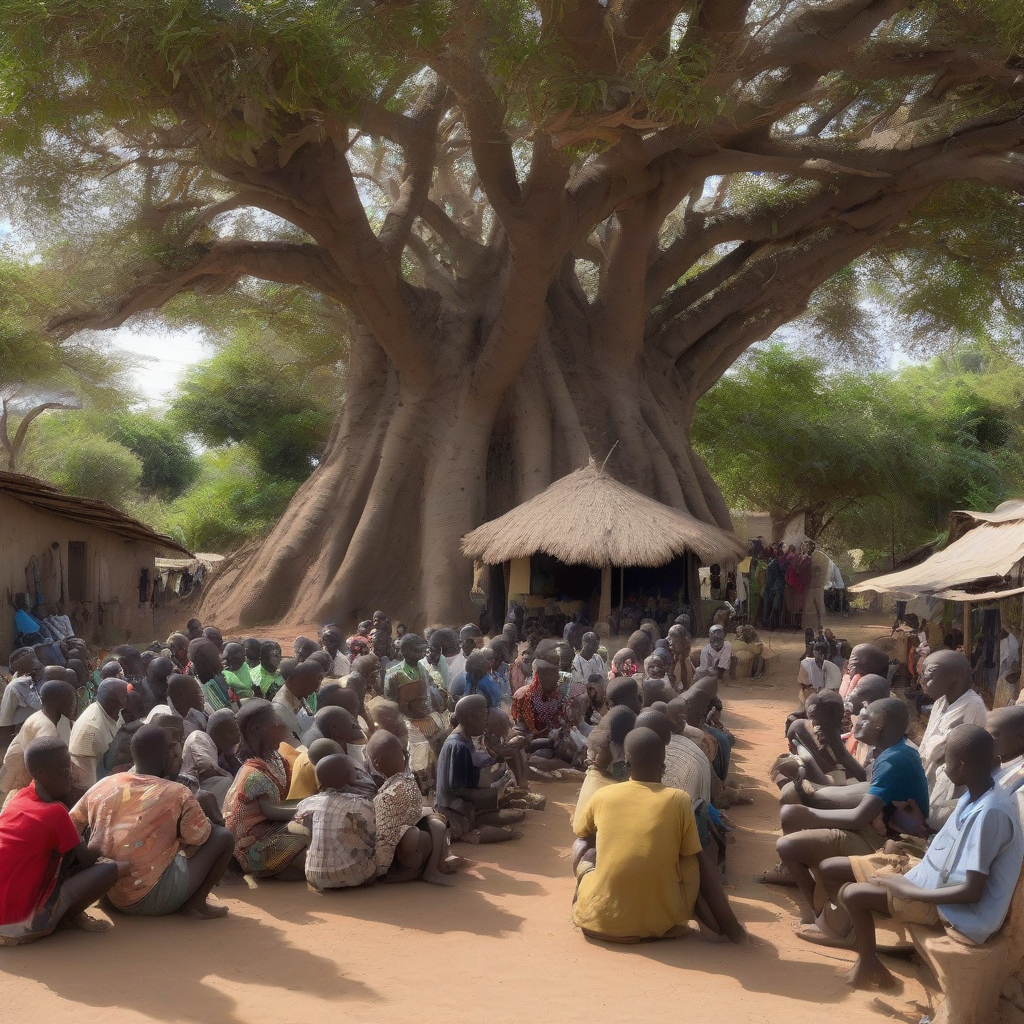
column 590, row 518
column 982, row 563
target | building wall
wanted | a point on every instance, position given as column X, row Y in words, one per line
column 111, row 612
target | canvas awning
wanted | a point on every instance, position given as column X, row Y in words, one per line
column 982, row 564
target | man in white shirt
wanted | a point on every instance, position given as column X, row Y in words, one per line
column 95, row 730
column 60, row 704
column 715, row 656
column 818, row 673
column 588, row 662
column 21, row 695
column 946, row 677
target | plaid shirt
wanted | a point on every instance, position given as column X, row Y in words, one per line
column 342, row 849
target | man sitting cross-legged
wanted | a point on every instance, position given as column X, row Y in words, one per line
column 650, row 868
column 145, row 819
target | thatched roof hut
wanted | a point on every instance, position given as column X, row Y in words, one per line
column 590, row 518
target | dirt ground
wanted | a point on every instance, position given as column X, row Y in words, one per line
column 499, row 947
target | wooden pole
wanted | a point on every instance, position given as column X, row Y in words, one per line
column 605, row 610
column 622, row 589
column 967, row 629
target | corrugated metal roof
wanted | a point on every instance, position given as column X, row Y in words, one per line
column 83, row 510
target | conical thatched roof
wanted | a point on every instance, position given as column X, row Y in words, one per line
column 590, row 518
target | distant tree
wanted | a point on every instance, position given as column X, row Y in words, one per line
column 780, row 436
column 169, row 466
column 232, row 502
column 281, row 410
column 68, row 453
column 40, row 373
column 878, row 459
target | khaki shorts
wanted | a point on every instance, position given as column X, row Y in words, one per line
column 919, row 912
column 867, row 867
column 837, row 842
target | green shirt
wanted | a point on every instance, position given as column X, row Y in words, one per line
column 240, row 681
column 269, row 684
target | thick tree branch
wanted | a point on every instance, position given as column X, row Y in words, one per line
column 213, row 269
column 419, row 169
column 465, row 251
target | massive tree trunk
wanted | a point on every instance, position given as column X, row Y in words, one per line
column 408, row 472
column 536, row 279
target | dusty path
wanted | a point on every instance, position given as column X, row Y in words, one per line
column 499, row 948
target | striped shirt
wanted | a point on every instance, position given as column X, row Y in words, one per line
column 687, row 768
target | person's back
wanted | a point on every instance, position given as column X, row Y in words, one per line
column 464, row 684
column 647, row 877
column 141, row 819
column 33, row 836
column 687, row 768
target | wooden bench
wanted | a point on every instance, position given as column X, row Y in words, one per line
column 972, row 978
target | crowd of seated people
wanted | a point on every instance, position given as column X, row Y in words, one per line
column 140, row 780
column 875, row 825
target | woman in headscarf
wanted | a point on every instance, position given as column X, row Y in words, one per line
column 539, row 712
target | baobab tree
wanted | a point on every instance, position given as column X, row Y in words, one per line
column 553, row 225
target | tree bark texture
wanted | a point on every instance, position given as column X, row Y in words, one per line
column 523, row 302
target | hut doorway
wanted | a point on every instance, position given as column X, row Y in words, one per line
column 554, row 579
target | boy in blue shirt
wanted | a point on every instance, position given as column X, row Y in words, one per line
column 477, row 678
column 812, row 835
column 966, row 880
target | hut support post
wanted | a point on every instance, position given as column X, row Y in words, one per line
column 967, row 628
column 605, row 610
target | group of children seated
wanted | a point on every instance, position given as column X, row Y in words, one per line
column 141, row 779
column 927, row 833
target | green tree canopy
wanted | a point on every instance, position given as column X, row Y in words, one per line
column 70, row 454
column 169, row 466
column 876, row 461
column 39, row 372
column 553, row 227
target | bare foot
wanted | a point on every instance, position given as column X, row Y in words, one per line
column 452, row 864
column 86, row 923
column 871, row 974
column 204, row 911
column 821, row 936
column 436, row 877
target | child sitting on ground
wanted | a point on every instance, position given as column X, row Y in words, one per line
column 46, row 873
column 254, row 808
column 410, row 844
column 236, row 672
column 304, row 770
column 342, row 828
column 471, row 812
column 968, row 875
column 817, row 742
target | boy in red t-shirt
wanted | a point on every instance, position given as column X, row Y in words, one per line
column 39, row 850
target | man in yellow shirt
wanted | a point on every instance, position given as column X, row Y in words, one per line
column 650, row 868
